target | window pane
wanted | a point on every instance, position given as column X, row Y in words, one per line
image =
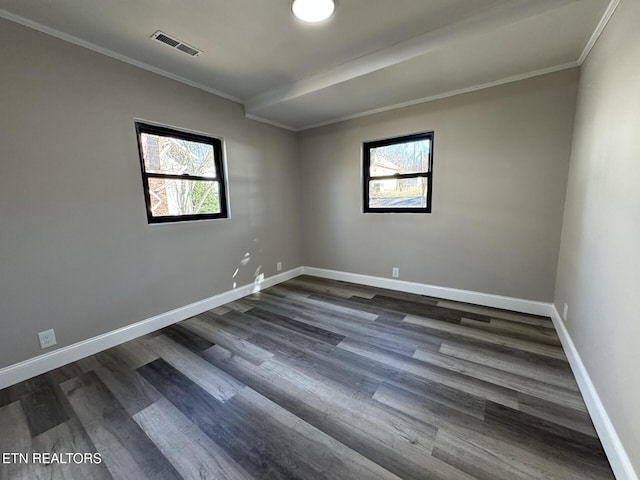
column 409, row 157
column 171, row 197
column 176, row 156
column 398, row 193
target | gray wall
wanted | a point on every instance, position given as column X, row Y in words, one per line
column 77, row 255
column 599, row 267
column 76, row 252
column 501, row 158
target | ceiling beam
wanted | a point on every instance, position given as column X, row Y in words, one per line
column 403, row 51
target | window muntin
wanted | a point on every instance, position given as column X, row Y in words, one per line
column 397, row 174
column 182, row 174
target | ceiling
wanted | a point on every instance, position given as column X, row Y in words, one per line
column 371, row 55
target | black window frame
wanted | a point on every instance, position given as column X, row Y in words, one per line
column 216, row 144
column 367, row 178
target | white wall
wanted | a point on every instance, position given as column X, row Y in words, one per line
column 599, row 266
column 76, row 252
column 501, row 158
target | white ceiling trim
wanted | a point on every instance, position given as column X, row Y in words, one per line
column 109, row 53
column 360, row 66
column 271, row 122
column 403, row 51
column 453, row 93
column 608, row 13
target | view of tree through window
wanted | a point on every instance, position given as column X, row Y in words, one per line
column 397, row 174
column 182, row 174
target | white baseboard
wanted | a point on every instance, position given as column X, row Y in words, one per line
column 468, row 296
column 614, row 449
column 618, row 458
column 43, row 363
column 617, row 455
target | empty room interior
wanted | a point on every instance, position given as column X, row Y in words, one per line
column 318, row 239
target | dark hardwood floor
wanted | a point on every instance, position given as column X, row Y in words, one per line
column 316, row 379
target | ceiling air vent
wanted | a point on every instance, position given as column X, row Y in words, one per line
column 183, row 47
column 175, row 43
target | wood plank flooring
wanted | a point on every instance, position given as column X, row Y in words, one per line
column 315, row 379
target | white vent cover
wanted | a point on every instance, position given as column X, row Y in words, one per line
column 175, row 43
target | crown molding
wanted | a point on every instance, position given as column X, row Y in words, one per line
column 271, row 122
column 608, row 13
column 110, row 53
column 402, row 52
column 384, row 58
column 452, row 93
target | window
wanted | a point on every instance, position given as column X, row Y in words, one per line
column 398, row 174
column 182, row 174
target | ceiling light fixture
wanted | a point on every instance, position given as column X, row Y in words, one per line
column 313, row 11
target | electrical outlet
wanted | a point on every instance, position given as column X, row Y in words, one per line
column 279, row 266
column 395, row 272
column 565, row 312
column 47, row 339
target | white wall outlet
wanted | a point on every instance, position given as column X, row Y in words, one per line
column 47, row 339
column 279, row 266
column 565, row 312
column 395, row 272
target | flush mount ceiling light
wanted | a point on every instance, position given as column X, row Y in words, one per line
column 313, row 11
